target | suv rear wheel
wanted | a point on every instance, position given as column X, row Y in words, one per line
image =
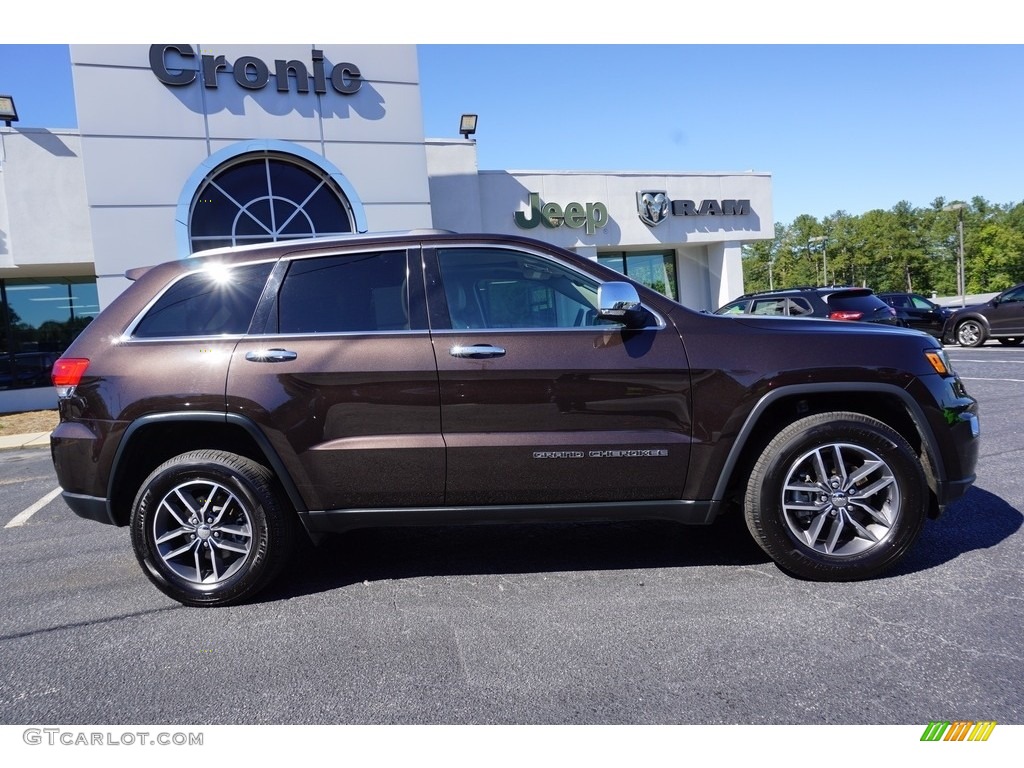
column 836, row 497
column 209, row 528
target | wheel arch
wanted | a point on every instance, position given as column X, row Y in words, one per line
column 780, row 407
column 977, row 316
column 167, row 435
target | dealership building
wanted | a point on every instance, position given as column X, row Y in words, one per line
column 182, row 148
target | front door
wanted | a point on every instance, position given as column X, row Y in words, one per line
column 1008, row 315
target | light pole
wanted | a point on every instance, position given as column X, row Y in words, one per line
column 823, row 239
column 961, row 278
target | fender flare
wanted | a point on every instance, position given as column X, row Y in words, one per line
column 750, row 424
column 273, row 459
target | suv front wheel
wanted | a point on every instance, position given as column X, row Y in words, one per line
column 209, row 528
column 836, row 497
column 970, row 333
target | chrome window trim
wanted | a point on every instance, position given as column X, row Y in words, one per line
column 183, row 339
column 614, row 328
column 329, row 334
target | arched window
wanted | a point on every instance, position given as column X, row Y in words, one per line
column 266, row 197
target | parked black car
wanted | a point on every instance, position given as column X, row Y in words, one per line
column 227, row 404
column 918, row 312
column 1000, row 318
column 835, row 303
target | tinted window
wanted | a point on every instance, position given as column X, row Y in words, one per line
column 897, row 300
column 354, row 292
column 491, row 288
column 858, row 302
column 799, row 307
column 207, row 303
column 39, row 318
column 1017, row 294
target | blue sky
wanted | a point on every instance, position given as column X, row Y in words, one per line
column 839, row 126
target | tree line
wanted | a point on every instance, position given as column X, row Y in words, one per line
column 901, row 249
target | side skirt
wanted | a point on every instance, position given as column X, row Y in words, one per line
column 339, row 520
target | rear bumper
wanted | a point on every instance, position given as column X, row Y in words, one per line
column 89, row 507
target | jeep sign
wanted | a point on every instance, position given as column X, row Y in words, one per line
column 552, row 215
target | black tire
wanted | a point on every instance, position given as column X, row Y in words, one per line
column 228, row 554
column 1013, row 341
column 793, row 510
column 970, row 333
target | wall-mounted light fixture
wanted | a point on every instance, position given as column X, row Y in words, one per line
column 467, row 126
column 9, row 114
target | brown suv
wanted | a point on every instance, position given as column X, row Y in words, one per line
column 228, row 403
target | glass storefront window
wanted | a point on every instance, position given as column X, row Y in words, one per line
column 655, row 269
column 39, row 318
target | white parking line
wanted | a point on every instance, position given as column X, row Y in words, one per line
column 981, row 378
column 22, row 517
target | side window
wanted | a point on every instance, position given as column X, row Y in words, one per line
column 799, row 307
column 211, row 302
column 920, row 303
column 495, row 288
column 736, row 308
column 769, row 307
column 1016, row 295
column 351, row 292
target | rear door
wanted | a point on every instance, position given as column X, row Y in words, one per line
column 541, row 402
column 343, row 381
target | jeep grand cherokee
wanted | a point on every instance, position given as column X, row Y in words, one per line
column 228, row 403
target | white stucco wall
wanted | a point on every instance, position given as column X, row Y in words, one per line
column 708, row 248
column 44, row 220
column 454, row 185
column 142, row 139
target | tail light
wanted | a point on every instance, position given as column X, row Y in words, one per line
column 845, row 314
column 67, row 373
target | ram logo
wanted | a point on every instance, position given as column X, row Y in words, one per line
column 652, row 207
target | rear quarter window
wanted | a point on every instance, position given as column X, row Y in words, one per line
column 858, row 302
column 212, row 302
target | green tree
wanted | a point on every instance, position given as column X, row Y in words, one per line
column 900, row 249
column 997, row 258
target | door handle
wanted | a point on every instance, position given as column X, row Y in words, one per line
column 270, row 355
column 477, row 351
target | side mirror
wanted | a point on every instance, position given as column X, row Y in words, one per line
column 620, row 302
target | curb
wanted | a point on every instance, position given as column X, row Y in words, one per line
column 31, row 440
